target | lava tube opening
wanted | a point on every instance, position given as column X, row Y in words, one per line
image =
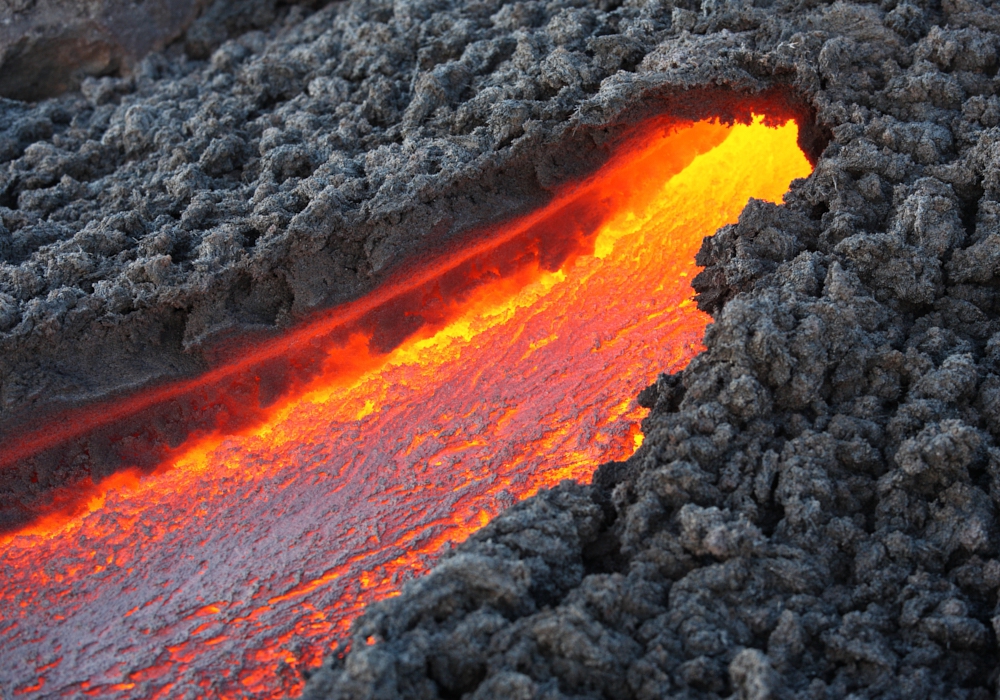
column 471, row 384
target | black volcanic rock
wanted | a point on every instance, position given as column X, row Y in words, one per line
column 813, row 511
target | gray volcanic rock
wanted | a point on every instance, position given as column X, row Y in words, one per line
column 813, row 511
column 48, row 46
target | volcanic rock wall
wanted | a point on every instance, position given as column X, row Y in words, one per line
column 813, row 512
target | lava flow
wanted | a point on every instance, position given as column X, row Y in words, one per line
column 229, row 570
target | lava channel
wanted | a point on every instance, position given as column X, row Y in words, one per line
column 231, row 569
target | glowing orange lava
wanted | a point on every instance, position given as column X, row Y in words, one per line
column 225, row 572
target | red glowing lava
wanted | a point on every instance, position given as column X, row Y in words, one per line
column 436, row 403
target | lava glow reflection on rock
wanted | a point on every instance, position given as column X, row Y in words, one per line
column 224, row 573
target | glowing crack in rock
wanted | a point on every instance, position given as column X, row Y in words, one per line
column 228, row 570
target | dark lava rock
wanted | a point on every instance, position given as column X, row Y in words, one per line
column 813, row 511
column 50, row 46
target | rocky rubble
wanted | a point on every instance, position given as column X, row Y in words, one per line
column 813, row 511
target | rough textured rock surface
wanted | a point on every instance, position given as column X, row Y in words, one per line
column 49, row 46
column 813, row 512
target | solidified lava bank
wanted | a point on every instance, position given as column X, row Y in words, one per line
column 813, row 510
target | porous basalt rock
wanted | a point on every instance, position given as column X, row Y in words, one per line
column 813, row 511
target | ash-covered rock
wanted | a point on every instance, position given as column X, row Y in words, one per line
column 813, row 511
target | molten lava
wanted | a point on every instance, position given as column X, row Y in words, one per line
column 439, row 403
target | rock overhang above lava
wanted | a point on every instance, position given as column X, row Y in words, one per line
column 217, row 385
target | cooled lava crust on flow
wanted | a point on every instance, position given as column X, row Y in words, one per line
column 352, row 350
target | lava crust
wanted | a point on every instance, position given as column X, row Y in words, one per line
column 813, row 511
